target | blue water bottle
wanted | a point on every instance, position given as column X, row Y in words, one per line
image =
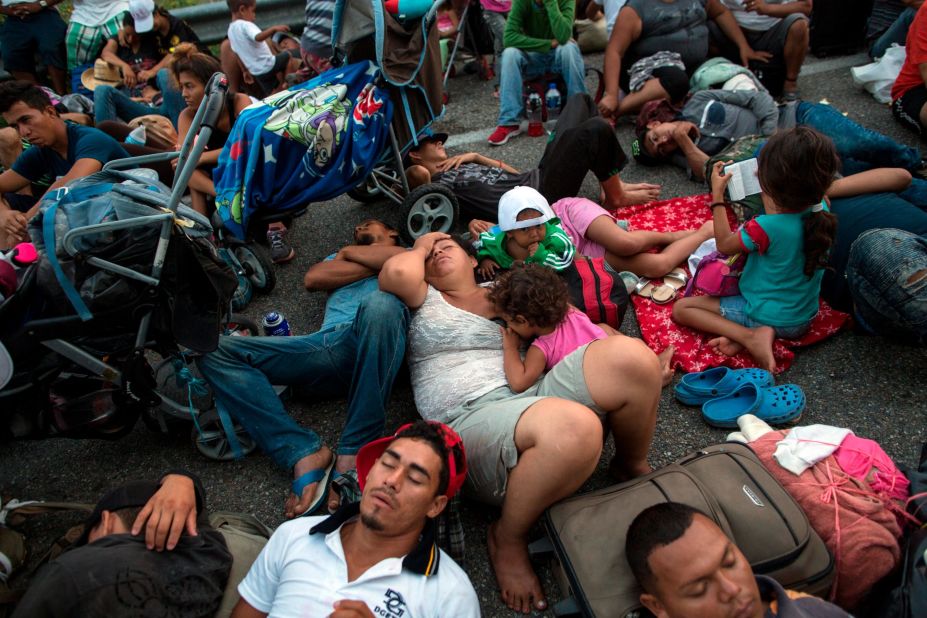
column 275, row 325
column 552, row 99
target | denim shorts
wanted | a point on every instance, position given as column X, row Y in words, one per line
column 734, row 308
column 887, row 280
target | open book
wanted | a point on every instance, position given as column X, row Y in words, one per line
column 744, row 181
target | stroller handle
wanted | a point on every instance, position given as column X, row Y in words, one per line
column 204, row 122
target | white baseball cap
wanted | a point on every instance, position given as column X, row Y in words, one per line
column 142, row 11
column 518, row 199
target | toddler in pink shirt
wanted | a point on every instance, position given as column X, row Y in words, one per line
column 535, row 303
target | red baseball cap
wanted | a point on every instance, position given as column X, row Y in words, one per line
column 369, row 454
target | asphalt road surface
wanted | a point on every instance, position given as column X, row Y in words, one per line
column 870, row 385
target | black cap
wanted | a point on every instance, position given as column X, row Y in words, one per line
column 130, row 495
column 423, row 139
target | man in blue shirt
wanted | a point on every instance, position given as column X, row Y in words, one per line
column 357, row 353
column 62, row 150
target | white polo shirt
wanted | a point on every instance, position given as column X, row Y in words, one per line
column 302, row 572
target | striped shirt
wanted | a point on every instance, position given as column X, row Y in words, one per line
column 317, row 37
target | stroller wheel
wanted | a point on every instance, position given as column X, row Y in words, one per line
column 212, row 442
column 258, row 267
column 366, row 192
column 429, row 208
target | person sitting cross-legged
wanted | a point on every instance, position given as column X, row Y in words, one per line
column 538, row 40
column 376, row 557
column 61, row 151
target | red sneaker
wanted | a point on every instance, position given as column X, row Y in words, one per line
column 503, row 133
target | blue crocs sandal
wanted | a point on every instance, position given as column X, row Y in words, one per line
column 323, row 477
column 696, row 388
column 777, row 405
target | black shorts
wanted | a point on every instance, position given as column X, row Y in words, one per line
column 907, row 108
column 270, row 80
column 674, row 80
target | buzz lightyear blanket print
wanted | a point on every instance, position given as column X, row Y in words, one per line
column 307, row 144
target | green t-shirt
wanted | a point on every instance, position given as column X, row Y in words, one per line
column 773, row 284
column 555, row 251
column 531, row 27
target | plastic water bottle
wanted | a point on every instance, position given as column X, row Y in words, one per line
column 535, row 122
column 552, row 99
column 138, row 136
column 275, row 325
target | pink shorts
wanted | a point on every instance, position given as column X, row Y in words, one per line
column 576, row 214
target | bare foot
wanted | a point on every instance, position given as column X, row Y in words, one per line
column 723, row 345
column 343, row 463
column 666, row 364
column 297, row 505
column 638, row 193
column 517, row 580
column 622, row 471
column 760, row 346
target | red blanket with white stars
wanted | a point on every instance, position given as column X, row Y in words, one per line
column 656, row 321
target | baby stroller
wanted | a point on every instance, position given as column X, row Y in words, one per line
column 125, row 276
column 345, row 130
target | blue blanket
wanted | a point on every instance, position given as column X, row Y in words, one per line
column 307, row 144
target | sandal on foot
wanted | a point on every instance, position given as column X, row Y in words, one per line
column 696, row 388
column 777, row 405
column 673, row 281
column 323, row 477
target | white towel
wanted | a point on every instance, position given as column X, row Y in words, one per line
column 805, row 446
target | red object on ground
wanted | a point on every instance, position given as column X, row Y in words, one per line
column 656, row 321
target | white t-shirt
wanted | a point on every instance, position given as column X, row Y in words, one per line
column 97, row 12
column 611, row 8
column 255, row 55
column 303, row 574
column 751, row 20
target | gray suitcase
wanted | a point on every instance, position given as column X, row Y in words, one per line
column 728, row 482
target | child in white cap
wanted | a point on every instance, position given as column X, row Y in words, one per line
column 528, row 231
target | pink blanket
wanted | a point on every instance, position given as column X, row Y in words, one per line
column 854, row 523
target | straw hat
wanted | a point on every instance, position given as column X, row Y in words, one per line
column 102, row 74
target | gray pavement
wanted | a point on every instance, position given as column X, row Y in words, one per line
column 870, row 385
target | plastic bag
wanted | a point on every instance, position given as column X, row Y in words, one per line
column 877, row 77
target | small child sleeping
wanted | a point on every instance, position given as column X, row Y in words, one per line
column 535, row 303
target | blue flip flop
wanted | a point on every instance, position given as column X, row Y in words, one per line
column 696, row 388
column 777, row 405
column 323, row 477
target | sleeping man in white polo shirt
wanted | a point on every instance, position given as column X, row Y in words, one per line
column 377, row 557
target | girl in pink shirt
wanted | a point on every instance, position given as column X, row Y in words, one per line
column 535, row 303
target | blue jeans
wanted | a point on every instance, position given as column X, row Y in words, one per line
column 113, row 104
column 887, row 276
column 734, row 308
column 359, row 360
column 896, row 33
column 518, row 65
column 859, row 148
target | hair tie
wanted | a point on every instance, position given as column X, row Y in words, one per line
column 818, row 207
